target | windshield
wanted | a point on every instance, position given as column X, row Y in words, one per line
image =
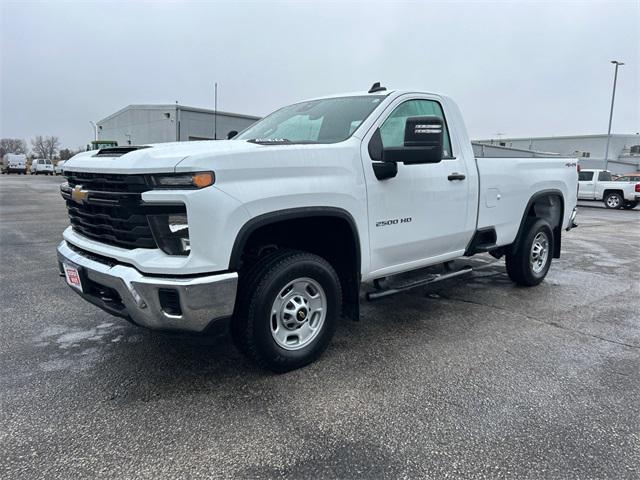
column 329, row 120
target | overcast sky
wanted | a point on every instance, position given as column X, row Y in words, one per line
column 520, row 68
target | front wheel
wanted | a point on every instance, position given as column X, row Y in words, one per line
column 613, row 200
column 287, row 310
column 529, row 262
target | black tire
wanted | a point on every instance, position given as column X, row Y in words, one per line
column 519, row 262
column 260, row 286
column 613, row 201
column 630, row 205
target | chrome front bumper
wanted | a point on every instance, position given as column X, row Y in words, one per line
column 123, row 291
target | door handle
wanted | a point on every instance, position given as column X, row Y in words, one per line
column 456, row 176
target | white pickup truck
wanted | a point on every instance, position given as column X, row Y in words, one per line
column 599, row 185
column 277, row 228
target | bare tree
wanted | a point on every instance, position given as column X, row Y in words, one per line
column 12, row 145
column 66, row 153
column 45, row 147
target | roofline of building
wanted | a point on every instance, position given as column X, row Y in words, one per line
column 559, row 137
column 174, row 106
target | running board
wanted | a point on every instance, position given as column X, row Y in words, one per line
column 434, row 278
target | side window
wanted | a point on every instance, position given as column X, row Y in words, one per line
column 40, row 162
column 604, row 177
column 585, row 176
column 392, row 130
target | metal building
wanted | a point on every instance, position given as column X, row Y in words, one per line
column 624, row 150
column 141, row 124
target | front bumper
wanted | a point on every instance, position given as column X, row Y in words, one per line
column 123, row 291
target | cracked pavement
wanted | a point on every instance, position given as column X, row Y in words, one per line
column 472, row 378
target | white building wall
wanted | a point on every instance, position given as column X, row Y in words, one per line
column 139, row 125
column 196, row 125
column 142, row 124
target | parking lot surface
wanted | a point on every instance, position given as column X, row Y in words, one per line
column 473, row 378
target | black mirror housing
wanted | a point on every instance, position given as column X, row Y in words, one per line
column 232, row 134
column 422, row 142
column 375, row 146
column 385, row 170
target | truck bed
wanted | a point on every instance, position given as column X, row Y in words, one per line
column 507, row 185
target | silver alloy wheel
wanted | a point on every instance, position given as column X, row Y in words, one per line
column 298, row 313
column 539, row 252
column 613, row 201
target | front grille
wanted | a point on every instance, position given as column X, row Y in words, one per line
column 108, row 182
column 112, row 211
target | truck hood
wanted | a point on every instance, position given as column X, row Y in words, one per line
column 157, row 158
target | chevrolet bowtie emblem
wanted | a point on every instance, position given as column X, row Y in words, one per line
column 78, row 195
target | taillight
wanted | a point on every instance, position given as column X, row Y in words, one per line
column 637, row 187
column 578, row 167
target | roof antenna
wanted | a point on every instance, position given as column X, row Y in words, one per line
column 376, row 88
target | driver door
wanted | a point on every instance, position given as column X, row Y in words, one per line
column 419, row 217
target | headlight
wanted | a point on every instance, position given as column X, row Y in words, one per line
column 183, row 180
column 171, row 232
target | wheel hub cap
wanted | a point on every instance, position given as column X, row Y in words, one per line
column 539, row 252
column 298, row 313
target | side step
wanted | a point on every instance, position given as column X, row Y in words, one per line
column 404, row 286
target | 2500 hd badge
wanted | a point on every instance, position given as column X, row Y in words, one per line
column 393, row 221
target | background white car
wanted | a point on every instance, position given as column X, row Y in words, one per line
column 58, row 169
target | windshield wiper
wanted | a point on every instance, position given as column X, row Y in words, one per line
column 270, row 141
column 280, row 141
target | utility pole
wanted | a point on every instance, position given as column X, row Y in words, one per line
column 613, row 98
column 215, row 113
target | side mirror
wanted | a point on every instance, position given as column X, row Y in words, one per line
column 422, row 142
column 381, row 169
column 231, row 134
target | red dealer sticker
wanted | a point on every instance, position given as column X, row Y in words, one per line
column 73, row 276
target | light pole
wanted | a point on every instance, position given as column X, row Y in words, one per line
column 215, row 112
column 613, row 98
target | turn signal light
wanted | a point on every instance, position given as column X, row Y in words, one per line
column 183, row 180
column 203, row 179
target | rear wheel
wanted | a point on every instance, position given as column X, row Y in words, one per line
column 529, row 262
column 630, row 205
column 613, row 200
column 287, row 310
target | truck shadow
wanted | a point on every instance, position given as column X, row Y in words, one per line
column 129, row 364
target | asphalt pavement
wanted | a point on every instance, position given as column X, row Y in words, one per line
column 473, row 378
